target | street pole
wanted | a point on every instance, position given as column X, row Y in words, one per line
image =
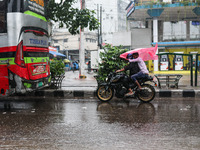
column 155, row 39
column 101, row 41
column 82, row 48
column 99, row 18
column 98, row 29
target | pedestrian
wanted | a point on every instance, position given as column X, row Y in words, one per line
column 89, row 66
column 74, row 66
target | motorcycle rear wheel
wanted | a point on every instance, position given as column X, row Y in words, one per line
column 103, row 94
column 147, row 94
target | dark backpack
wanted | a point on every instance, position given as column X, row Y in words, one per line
column 133, row 67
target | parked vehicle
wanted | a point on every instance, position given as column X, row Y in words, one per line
column 115, row 86
column 95, row 59
column 24, row 53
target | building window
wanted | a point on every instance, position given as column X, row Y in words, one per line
column 107, row 16
column 90, row 40
column 55, row 41
column 65, row 40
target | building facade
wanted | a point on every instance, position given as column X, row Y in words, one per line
column 174, row 25
column 70, row 44
column 111, row 14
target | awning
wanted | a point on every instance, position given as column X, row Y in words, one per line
column 177, row 44
column 56, row 54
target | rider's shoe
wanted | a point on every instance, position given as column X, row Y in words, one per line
column 129, row 94
column 139, row 90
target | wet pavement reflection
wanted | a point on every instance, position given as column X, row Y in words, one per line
column 89, row 124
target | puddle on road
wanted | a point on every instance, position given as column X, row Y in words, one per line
column 81, row 124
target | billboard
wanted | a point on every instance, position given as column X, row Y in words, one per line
column 36, row 6
column 130, row 9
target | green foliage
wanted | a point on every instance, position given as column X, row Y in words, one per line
column 71, row 18
column 185, row 2
column 57, row 68
column 152, row 3
column 110, row 61
column 198, row 2
column 163, row 4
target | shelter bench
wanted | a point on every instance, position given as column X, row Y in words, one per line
column 168, row 79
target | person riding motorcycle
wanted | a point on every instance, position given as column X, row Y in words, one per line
column 143, row 69
column 115, row 83
column 133, row 68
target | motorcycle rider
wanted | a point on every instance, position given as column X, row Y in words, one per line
column 134, row 69
column 143, row 69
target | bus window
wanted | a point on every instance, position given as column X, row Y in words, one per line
column 2, row 16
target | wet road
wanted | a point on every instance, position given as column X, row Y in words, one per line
column 90, row 125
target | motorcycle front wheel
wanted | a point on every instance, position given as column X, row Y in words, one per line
column 104, row 93
column 147, row 93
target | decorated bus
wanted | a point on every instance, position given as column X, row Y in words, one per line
column 24, row 54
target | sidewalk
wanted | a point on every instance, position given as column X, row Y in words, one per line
column 73, row 87
column 72, row 81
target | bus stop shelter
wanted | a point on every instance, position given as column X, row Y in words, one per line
column 196, row 66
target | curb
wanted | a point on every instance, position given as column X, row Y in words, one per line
column 73, row 94
column 178, row 93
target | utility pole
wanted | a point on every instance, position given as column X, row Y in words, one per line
column 101, row 27
column 99, row 18
column 98, row 43
column 82, row 48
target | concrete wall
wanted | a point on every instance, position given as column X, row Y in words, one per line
column 136, row 38
column 122, row 38
column 141, row 38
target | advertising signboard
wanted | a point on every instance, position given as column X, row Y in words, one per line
column 36, row 6
column 164, row 62
column 178, row 62
column 130, row 9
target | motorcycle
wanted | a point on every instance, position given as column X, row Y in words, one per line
column 115, row 85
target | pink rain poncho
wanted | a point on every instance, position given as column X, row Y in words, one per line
column 144, row 53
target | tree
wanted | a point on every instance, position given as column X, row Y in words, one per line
column 111, row 61
column 71, row 18
column 57, row 67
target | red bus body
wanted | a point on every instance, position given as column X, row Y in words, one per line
column 24, row 54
